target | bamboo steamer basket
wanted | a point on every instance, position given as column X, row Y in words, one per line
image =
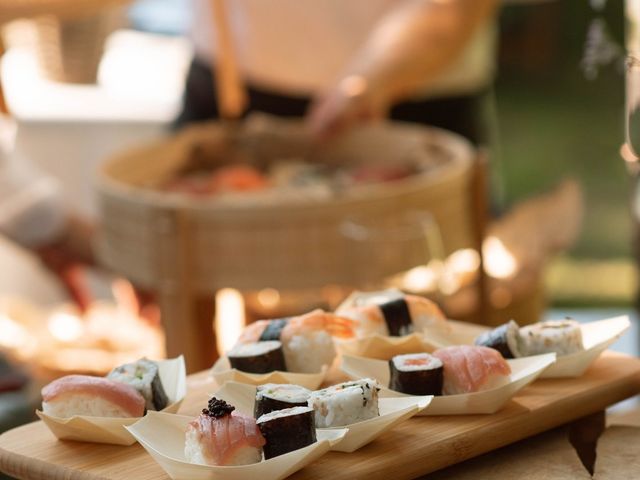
column 160, row 239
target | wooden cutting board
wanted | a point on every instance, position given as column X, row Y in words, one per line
column 416, row 447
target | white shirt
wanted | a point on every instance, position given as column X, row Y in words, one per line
column 302, row 46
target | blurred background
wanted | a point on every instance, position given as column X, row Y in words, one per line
column 79, row 92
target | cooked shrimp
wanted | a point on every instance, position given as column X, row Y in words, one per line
column 316, row 320
column 319, row 320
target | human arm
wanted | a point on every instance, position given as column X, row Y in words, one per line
column 409, row 47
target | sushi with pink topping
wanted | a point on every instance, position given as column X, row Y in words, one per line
column 221, row 436
column 92, row 396
column 470, row 369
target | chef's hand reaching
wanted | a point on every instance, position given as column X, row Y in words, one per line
column 351, row 102
column 411, row 45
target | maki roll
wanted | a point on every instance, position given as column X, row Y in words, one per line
column 221, row 436
column 287, row 430
column 560, row 336
column 259, row 357
column 416, row 374
column 92, row 396
column 273, row 396
column 469, row 369
column 504, row 338
column 144, row 376
column 345, row 403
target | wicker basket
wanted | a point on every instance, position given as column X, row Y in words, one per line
column 290, row 244
column 70, row 51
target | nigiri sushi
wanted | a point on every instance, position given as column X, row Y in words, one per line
column 92, row 396
column 221, row 436
column 306, row 339
column 470, row 369
column 391, row 312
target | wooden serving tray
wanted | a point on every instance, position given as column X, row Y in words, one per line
column 416, row 447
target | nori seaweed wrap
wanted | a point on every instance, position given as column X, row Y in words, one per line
column 287, row 430
column 416, row 374
column 259, row 357
column 272, row 396
column 503, row 339
column 397, row 317
column 144, row 376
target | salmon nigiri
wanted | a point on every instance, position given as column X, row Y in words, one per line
column 472, row 368
column 92, row 396
column 220, row 436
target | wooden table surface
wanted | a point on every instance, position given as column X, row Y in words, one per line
column 416, row 447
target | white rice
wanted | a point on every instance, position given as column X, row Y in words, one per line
column 195, row 452
column 560, row 336
column 345, row 403
column 400, row 362
column 83, row 404
column 139, row 375
column 308, row 353
column 283, row 413
column 283, row 391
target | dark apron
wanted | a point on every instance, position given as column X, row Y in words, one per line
column 458, row 114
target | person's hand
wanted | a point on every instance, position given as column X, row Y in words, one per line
column 353, row 100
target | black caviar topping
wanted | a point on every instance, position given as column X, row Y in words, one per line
column 217, row 408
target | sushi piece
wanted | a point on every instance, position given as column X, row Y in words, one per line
column 416, row 374
column 258, row 357
column 307, row 340
column 505, row 339
column 563, row 337
column 144, row 376
column 345, row 403
column 391, row 312
column 273, row 396
column 92, row 396
column 221, row 436
column 470, row 369
column 287, row 430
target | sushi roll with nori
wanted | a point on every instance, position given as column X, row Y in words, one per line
column 259, row 357
column 144, row 376
column 416, row 374
column 222, row 436
column 562, row 337
column 505, row 339
column 274, row 396
column 345, row 403
column 287, row 430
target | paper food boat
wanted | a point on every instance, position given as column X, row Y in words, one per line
column 596, row 338
column 163, row 437
column 392, row 412
column 523, row 372
column 223, row 373
column 113, row 430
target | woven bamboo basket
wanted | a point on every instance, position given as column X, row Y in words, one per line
column 70, row 33
column 284, row 243
column 70, row 51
